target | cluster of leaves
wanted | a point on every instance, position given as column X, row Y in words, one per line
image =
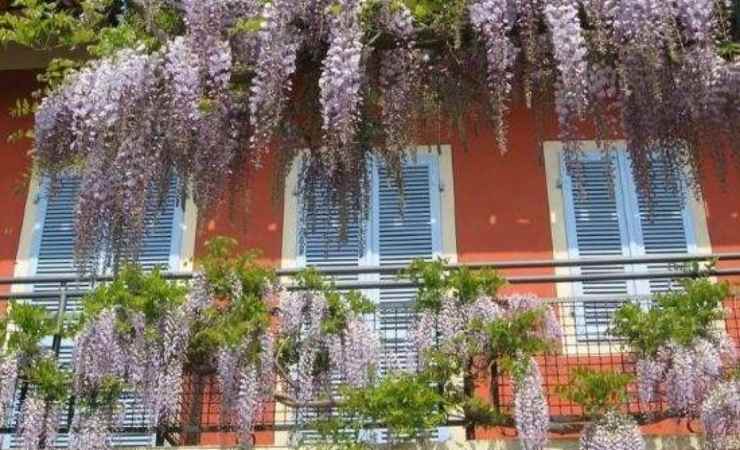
column 134, row 290
column 436, row 281
column 410, row 406
column 22, row 334
column 238, row 283
column 678, row 316
column 597, row 392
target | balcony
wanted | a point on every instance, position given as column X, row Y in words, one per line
column 586, row 342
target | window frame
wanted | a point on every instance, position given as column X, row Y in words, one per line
column 563, row 234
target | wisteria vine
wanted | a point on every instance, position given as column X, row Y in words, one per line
column 218, row 92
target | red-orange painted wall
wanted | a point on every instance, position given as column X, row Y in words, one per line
column 14, row 163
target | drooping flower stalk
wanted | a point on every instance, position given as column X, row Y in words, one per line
column 720, row 414
column 569, row 48
column 8, row 380
column 38, row 423
column 92, row 430
column 494, row 20
column 276, row 63
column 531, row 414
column 340, row 81
column 613, row 431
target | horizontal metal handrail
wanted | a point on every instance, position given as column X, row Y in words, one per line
column 395, row 269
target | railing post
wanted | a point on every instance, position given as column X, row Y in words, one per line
column 56, row 344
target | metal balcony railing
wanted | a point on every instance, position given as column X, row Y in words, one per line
column 589, row 346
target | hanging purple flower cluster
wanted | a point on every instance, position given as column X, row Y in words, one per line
column 340, row 81
column 214, row 98
column 9, row 377
column 91, row 429
column 399, row 79
column 247, row 383
column 613, row 431
column 38, row 423
column 720, row 414
column 531, row 414
column 569, row 48
column 278, row 44
column 353, row 353
column 495, row 20
column 458, row 330
column 454, row 329
column 687, row 373
column 120, row 346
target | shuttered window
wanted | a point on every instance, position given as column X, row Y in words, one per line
column 607, row 216
column 53, row 254
column 402, row 225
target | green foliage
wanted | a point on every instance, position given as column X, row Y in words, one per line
column 597, row 392
column 443, row 17
column 134, row 290
column 677, row 316
column 239, row 285
column 407, row 404
column 24, row 327
column 514, row 339
column 436, row 281
column 49, row 379
column 340, row 304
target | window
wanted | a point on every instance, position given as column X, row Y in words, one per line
column 50, row 237
column 607, row 216
column 396, row 231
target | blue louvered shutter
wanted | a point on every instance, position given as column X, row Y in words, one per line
column 407, row 228
column 54, row 255
column 662, row 222
column 407, row 225
column 596, row 227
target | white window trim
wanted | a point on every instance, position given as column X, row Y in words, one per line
column 559, row 230
column 181, row 253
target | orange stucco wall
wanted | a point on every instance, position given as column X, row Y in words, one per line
column 14, row 163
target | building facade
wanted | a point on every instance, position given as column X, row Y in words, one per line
column 463, row 201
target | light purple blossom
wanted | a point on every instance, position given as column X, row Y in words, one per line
column 38, row 423
column 720, row 414
column 569, row 47
column 613, row 431
column 8, row 380
column 340, row 80
column 494, row 20
column 531, row 414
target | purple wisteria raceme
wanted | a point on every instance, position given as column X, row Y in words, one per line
column 98, row 354
column 92, row 430
column 720, row 414
column 613, row 431
column 551, row 329
column 569, row 48
column 275, row 65
column 340, row 81
column 531, row 414
column 494, row 20
column 356, row 352
column 8, row 380
column 697, row 18
column 38, row 424
column 650, row 373
column 399, row 77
